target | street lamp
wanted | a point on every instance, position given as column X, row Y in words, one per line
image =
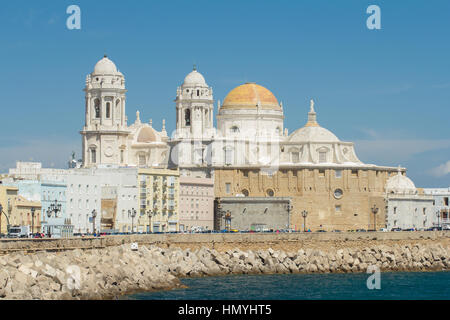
column 289, row 207
column 374, row 211
column 94, row 215
column 304, row 215
column 32, row 220
column 132, row 213
column 438, row 214
column 53, row 208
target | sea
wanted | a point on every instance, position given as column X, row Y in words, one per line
column 349, row 286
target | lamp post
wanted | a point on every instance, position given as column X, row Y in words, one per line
column 438, row 214
column 374, row 211
column 1, row 212
column 53, row 208
column 32, row 220
column 94, row 215
column 132, row 213
column 149, row 214
column 289, row 207
column 304, row 215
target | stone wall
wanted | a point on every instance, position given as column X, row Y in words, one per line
column 110, row 272
column 224, row 241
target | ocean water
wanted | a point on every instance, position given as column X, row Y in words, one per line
column 394, row 286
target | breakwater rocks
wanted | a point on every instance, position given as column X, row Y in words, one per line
column 113, row 271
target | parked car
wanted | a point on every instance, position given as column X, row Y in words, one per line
column 361, row 230
column 446, row 227
column 321, row 230
column 336, row 231
column 384, row 230
column 37, row 235
column 396, row 229
column 409, row 229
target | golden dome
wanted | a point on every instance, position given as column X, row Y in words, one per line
column 247, row 96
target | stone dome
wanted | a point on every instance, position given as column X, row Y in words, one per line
column 400, row 184
column 248, row 96
column 146, row 135
column 313, row 134
column 105, row 66
column 312, row 131
column 194, row 78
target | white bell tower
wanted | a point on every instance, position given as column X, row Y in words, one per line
column 192, row 140
column 105, row 130
column 195, row 107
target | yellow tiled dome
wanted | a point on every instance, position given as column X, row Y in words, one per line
column 247, row 96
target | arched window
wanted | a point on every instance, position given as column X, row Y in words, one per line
column 108, row 110
column 245, row 192
column 187, row 117
column 97, row 108
column 322, row 156
column 93, row 155
column 142, row 160
column 234, row 129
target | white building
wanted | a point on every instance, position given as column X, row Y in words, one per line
column 112, row 193
column 405, row 207
column 441, row 197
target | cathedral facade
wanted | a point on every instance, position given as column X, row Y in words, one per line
column 249, row 154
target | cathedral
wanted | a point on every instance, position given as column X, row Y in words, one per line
column 249, row 154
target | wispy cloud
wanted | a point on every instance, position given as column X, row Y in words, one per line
column 442, row 170
column 397, row 150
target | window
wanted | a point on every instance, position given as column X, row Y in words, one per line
column 338, row 193
column 355, row 173
column 142, row 160
column 322, row 156
column 424, row 211
column 93, row 156
column 108, row 110
column 445, row 201
column 187, row 117
column 321, row 173
column 245, row 173
column 338, row 173
column 245, row 192
column 337, row 208
column 121, row 156
column 395, row 210
column 270, row 193
column 295, row 157
column 228, row 188
column 228, row 156
column 97, row 108
column 234, row 129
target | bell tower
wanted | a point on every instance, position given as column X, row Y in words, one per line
column 105, row 130
column 195, row 107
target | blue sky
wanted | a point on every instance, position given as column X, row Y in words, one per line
column 386, row 90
